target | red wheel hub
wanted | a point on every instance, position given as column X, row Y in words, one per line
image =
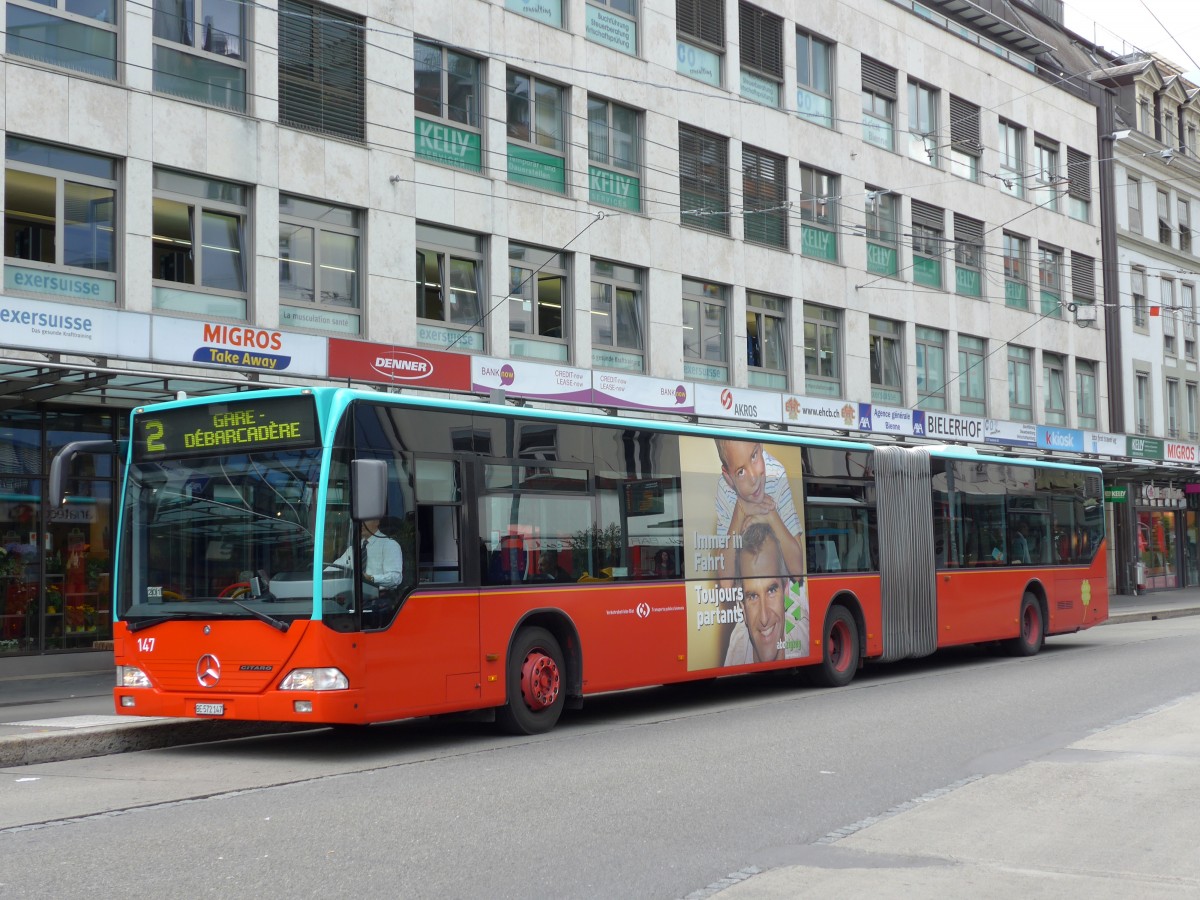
column 839, row 646
column 540, row 680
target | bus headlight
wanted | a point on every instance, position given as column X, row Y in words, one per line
column 315, row 680
column 131, row 676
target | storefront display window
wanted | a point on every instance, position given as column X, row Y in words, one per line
column 1156, row 546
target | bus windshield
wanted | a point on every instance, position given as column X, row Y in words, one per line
column 224, row 536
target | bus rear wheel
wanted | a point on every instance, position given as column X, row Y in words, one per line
column 535, row 684
column 840, row 650
column 1033, row 633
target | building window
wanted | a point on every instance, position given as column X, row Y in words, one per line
column 449, row 287
column 1164, row 218
column 764, row 195
column 1085, row 393
column 922, row 123
column 968, row 256
column 1054, row 386
column 207, row 63
column 972, row 375
column 618, row 317
column 446, row 92
column 1012, row 159
column 319, row 265
column 1050, row 278
column 1187, row 303
column 613, row 23
column 818, row 213
column 929, row 243
column 614, row 154
column 1145, row 118
column 1020, row 387
column 321, row 69
column 814, row 79
column 1168, row 130
column 1193, row 404
column 1167, row 315
column 1045, row 174
column 882, row 239
column 931, row 368
column 887, row 361
column 705, row 314
column 766, row 341
column 966, row 145
column 1016, row 279
column 538, row 309
column 703, row 180
column 878, row 102
column 1184, row 214
column 1172, row 403
column 1141, row 400
column 77, row 36
column 762, row 54
column 700, row 25
column 822, row 351
column 1083, row 284
column 1137, row 289
column 1079, row 185
column 548, row 12
column 1133, row 196
column 59, row 215
column 200, row 242
column 537, row 150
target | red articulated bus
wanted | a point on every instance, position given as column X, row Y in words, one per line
column 334, row 556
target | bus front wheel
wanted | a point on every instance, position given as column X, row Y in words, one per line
column 840, row 649
column 1032, row 634
column 535, row 684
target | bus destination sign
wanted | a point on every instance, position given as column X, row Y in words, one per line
column 242, row 426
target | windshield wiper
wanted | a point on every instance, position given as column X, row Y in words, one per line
column 277, row 624
column 158, row 620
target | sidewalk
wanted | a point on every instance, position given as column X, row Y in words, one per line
column 59, row 712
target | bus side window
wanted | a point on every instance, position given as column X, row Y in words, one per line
column 439, row 507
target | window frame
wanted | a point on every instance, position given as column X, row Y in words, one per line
column 760, row 34
column 819, row 213
column 882, row 229
column 923, row 141
column 1137, row 293
column 701, row 214
column 324, row 105
column 1054, row 388
column 198, row 206
column 193, row 50
column 320, row 226
column 614, row 8
column 1011, row 149
column 822, row 327
column 449, row 245
column 1050, row 280
column 928, row 241
column 709, row 300
column 57, row 11
column 968, row 254
column 1187, row 302
column 1165, row 232
column 886, row 339
column 1167, row 313
column 1183, row 213
column 972, row 358
column 1046, row 174
column 473, row 123
column 61, row 177
column 616, row 278
column 1133, row 200
column 1192, row 398
column 620, row 173
column 1086, row 406
column 761, row 308
column 806, row 88
column 1020, row 391
column 700, row 40
column 1016, row 266
column 1142, row 400
column 1171, row 404
column 531, row 141
column 772, row 218
column 879, row 103
column 930, row 395
column 542, row 266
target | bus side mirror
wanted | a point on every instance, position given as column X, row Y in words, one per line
column 60, row 466
column 369, row 499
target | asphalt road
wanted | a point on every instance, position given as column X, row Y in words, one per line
column 655, row 793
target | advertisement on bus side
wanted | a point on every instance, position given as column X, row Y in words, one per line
column 743, row 543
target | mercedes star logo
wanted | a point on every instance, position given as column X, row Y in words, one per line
column 208, row 670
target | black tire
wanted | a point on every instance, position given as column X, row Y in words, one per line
column 536, row 684
column 840, row 650
column 1032, row 626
